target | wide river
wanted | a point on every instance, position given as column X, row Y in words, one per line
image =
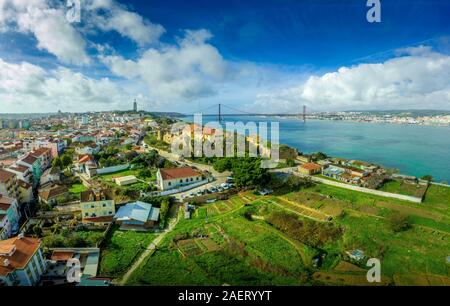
column 414, row 150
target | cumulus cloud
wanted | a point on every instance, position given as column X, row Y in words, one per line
column 27, row 87
column 111, row 16
column 187, row 70
column 46, row 20
column 48, row 24
column 419, row 79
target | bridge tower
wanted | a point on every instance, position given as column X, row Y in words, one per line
column 304, row 113
column 220, row 113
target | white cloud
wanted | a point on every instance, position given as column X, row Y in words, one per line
column 46, row 21
column 27, row 87
column 421, row 79
column 111, row 16
column 186, row 71
column 53, row 32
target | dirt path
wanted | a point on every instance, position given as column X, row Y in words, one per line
column 149, row 250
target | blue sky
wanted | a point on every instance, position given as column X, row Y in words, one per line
column 185, row 55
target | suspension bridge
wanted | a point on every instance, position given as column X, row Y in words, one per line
column 220, row 111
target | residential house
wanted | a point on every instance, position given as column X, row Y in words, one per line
column 9, row 217
column 8, row 184
column 310, row 168
column 304, row 158
column 177, row 177
column 90, row 149
column 51, row 175
column 86, row 164
column 22, row 172
column 49, row 193
column 62, row 258
column 34, row 164
column 26, row 192
column 137, row 216
column 45, row 155
column 21, row 261
column 97, row 207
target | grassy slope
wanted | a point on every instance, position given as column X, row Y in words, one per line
column 121, row 249
column 421, row 249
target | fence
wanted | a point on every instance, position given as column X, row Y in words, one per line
column 108, row 170
column 180, row 189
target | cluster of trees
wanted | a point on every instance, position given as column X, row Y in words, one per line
column 247, row 171
column 152, row 140
column 314, row 234
column 62, row 161
column 151, row 160
column 107, row 157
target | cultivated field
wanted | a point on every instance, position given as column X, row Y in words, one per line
column 242, row 248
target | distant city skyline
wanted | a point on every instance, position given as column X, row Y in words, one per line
column 182, row 56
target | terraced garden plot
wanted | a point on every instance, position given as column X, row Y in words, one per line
column 209, row 244
column 189, row 247
column 421, row 280
column 354, row 279
column 301, row 210
column 229, row 204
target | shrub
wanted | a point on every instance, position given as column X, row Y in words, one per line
column 312, row 233
column 399, row 223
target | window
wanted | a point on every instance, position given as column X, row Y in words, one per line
column 104, row 205
column 197, row 178
column 86, row 214
column 181, row 181
column 170, row 184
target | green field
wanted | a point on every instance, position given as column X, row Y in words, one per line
column 400, row 187
column 252, row 252
column 77, row 188
column 135, row 172
column 120, row 249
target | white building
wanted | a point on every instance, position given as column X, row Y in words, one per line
column 177, row 177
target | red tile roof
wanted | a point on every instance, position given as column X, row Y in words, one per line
column 30, row 159
column 311, row 166
column 103, row 219
column 5, row 176
column 176, row 173
column 62, row 255
column 25, row 249
column 19, row 168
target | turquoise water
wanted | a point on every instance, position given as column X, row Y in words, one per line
column 414, row 150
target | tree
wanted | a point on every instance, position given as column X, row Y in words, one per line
column 57, row 163
column 66, row 160
column 399, row 223
column 296, row 182
column 319, row 156
column 37, row 230
column 163, row 210
column 248, row 172
column 222, row 164
column 145, row 173
column 427, row 177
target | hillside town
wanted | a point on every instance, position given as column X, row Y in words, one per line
column 71, row 184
